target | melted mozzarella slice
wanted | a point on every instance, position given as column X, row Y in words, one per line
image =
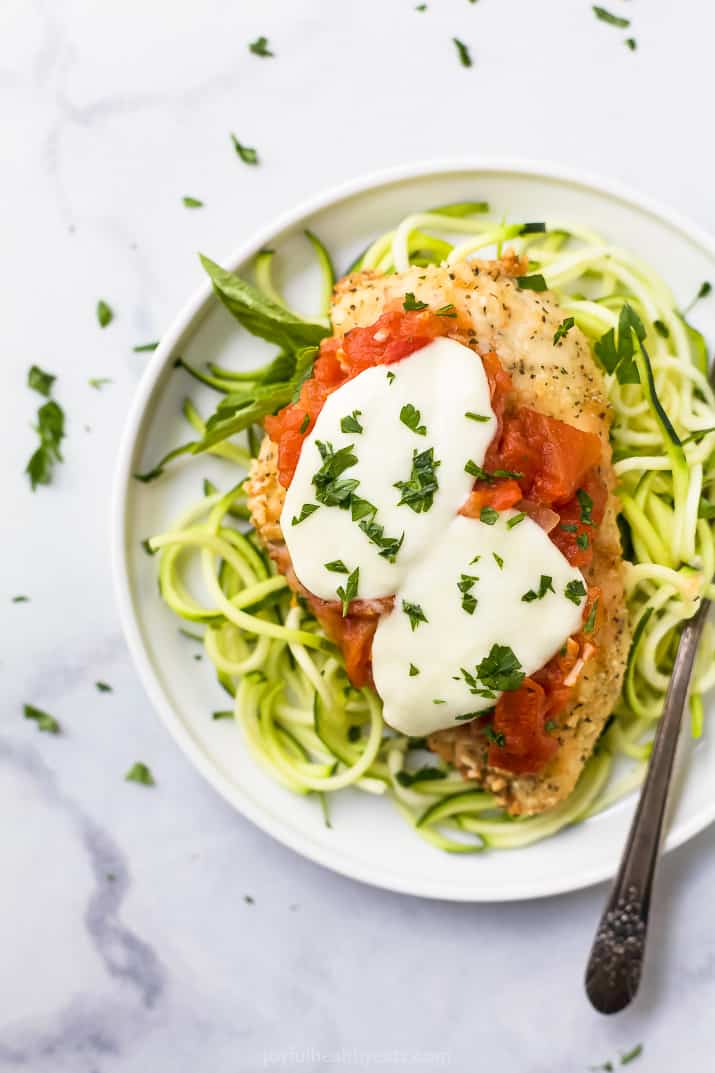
column 511, row 563
column 443, row 381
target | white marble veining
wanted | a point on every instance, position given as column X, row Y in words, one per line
column 127, row 943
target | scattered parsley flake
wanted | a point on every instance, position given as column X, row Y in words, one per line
column 629, row 1056
column 515, row 520
column 350, row 423
column 586, row 504
column 463, row 52
column 50, row 429
column 192, row 203
column 447, row 311
column 40, row 381
column 418, row 493
column 410, row 416
column 488, row 515
column 500, row 670
column 337, row 566
column 21, row 599
column 471, row 416
column 631, row 43
column 330, row 489
column 582, row 541
column 147, row 547
column 414, row 670
column 469, row 603
column 259, row 47
column 661, row 328
column 414, row 613
column 103, row 687
column 305, row 512
column 349, row 592
column 590, row 622
column 390, row 376
column 98, row 382
column 245, row 152
column 225, row 713
column 563, row 329
column 304, row 425
column 531, row 283
column 105, row 315
column 546, row 584
column 498, row 560
column 495, row 738
column 45, row 722
column 411, row 305
column 421, row 7
column 612, row 20
column 141, row 348
column 140, row 773
column 438, row 700
column 575, row 592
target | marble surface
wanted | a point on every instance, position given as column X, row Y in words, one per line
column 129, row 943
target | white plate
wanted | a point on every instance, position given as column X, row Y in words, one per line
column 368, row 839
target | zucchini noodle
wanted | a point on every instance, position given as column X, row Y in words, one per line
column 302, row 720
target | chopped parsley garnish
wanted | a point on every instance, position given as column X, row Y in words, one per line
column 447, row 311
column 469, row 603
column 418, row 493
column 225, row 713
column 590, row 622
column 390, row 376
column 546, row 584
column 147, row 547
column 50, row 429
column 103, row 687
column 471, row 467
column 661, row 328
column 141, row 348
column 105, row 315
column 630, row 43
column 40, row 381
column 259, row 47
column 500, row 670
column 582, row 541
column 498, row 560
column 563, row 329
column 21, row 599
column 488, row 515
column 463, row 52
column 586, row 504
column 245, row 152
column 44, row 720
column 575, row 592
column 703, row 291
column 414, row 671
column 515, row 520
column 531, row 283
column 363, row 512
column 495, row 738
column 438, row 700
column 305, row 512
column 421, row 7
column 329, row 488
column 474, row 560
column 476, row 417
column 635, row 1052
column 191, row 636
column 424, row 774
column 411, row 305
column 140, row 773
column 414, row 613
column 568, row 527
column 304, row 425
column 410, row 416
column 192, row 203
column 349, row 591
column 350, row 423
column 533, row 228
column 98, row 382
column 337, row 566
column 465, row 584
column 612, row 20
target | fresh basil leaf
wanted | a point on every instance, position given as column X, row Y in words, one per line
column 40, row 381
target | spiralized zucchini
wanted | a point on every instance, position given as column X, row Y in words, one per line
column 306, row 726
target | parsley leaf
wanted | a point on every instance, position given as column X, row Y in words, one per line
column 589, row 624
column 142, row 347
column 410, row 416
column 51, row 430
column 349, row 591
column 531, row 283
column 495, row 738
column 103, row 687
column 44, row 720
column 98, row 382
column 350, row 423
column 498, row 560
column 337, row 566
column 225, row 713
column 476, row 417
column 612, row 20
column 635, row 1052
column 329, row 489
column 517, row 518
column 463, row 52
column 390, row 376
column 488, row 515
column 414, row 670
column 105, row 315
column 40, row 381
column 447, row 311
column 469, row 603
column 259, row 47
column 631, row 43
column 21, row 599
column 500, row 670
column 575, row 592
column 411, row 305
column 546, row 584
column 192, row 203
column 245, row 152
column 586, row 504
column 304, row 425
column 563, row 329
column 418, row 493
column 415, row 614
column 140, row 773
column 305, row 512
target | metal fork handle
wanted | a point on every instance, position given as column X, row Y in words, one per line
column 614, row 968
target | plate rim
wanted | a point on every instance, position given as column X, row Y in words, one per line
column 184, row 321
